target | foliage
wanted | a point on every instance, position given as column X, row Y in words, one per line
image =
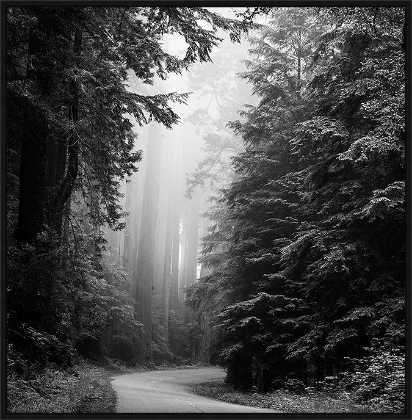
column 51, row 390
column 71, row 118
column 220, row 93
column 262, row 206
column 295, row 386
column 103, row 131
column 378, row 379
column 160, row 344
column 308, row 247
column 314, row 257
column 281, row 401
column 75, row 69
column 38, row 301
column 62, row 297
column 181, row 340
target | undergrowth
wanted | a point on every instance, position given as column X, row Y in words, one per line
column 281, row 400
column 85, row 388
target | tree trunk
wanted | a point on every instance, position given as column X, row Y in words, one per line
column 67, row 184
column 161, row 231
column 169, row 240
column 174, row 280
column 33, row 136
column 134, row 207
column 192, row 242
column 32, row 171
column 206, row 337
column 239, row 372
column 167, row 267
column 145, row 260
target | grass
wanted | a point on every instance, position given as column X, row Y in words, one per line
column 84, row 389
column 283, row 401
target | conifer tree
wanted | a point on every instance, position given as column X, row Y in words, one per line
column 257, row 326
column 314, row 267
column 352, row 258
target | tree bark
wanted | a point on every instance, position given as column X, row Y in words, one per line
column 192, row 242
column 32, row 171
column 168, row 254
column 67, row 184
column 145, row 259
column 33, row 137
column 174, row 281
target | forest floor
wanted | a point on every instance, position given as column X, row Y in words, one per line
column 282, row 400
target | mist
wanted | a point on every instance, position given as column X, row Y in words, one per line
column 205, row 194
column 167, row 201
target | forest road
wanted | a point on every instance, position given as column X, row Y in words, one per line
column 166, row 391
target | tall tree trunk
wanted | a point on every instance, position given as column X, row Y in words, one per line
column 145, row 260
column 168, row 255
column 191, row 250
column 183, row 252
column 67, row 184
column 167, row 266
column 33, row 137
column 134, row 206
column 127, row 238
column 161, row 229
column 174, row 280
column 134, row 219
column 32, row 171
column 192, row 241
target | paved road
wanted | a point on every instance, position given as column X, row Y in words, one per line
column 165, row 391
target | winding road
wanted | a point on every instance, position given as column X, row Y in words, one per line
column 166, row 391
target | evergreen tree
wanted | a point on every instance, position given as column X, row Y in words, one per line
column 314, row 268
column 353, row 255
column 256, row 327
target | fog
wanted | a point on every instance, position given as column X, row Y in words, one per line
column 178, row 180
column 161, row 216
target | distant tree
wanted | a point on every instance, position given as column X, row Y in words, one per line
column 220, row 95
column 70, row 116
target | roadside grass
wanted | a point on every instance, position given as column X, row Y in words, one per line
column 282, row 400
column 84, row 389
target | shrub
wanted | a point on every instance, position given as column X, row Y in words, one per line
column 294, row 385
column 379, row 379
